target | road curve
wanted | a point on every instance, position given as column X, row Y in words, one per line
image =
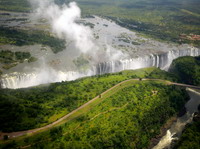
column 13, row 135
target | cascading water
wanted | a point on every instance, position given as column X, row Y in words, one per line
column 163, row 61
column 23, row 80
column 176, row 129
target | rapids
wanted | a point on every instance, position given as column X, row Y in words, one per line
column 177, row 127
column 120, row 49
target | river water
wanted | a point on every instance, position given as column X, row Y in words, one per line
column 119, row 49
column 177, row 127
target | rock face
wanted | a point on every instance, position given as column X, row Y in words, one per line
column 196, row 117
column 182, row 112
column 163, row 61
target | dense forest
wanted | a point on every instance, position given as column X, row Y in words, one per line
column 10, row 59
column 126, row 119
column 190, row 138
column 24, row 37
column 29, row 108
column 188, row 69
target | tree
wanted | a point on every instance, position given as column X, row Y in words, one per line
column 5, row 137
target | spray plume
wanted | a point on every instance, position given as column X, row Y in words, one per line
column 63, row 23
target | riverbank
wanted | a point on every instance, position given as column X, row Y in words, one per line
column 177, row 127
column 163, row 131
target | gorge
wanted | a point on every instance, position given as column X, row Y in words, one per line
column 99, row 74
column 163, row 61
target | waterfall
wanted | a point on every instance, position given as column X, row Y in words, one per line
column 163, row 61
column 24, row 80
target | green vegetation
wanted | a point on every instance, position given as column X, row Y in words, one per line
column 125, row 119
column 128, row 119
column 34, row 107
column 10, row 59
column 162, row 20
column 22, row 37
column 16, row 5
column 89, row 24
column 81, row 62
column 191, row 135
column 188, row 68
column 5, row 137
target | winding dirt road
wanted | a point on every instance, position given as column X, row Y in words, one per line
column 13, row 135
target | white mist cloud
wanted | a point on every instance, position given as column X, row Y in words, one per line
column 112, row 54
column 63, row 22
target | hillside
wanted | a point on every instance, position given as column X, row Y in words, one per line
column 137, row 110
column 35, row 107
column 188, row 68
column 191, row 135
column 46, row 44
